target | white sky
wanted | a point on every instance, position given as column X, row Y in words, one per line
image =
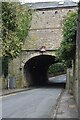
column 33, row 1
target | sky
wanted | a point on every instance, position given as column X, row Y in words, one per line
column 33, row 1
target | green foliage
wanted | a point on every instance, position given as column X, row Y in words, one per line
column 67, row 48
column 15, row 26
column 24, row 16
column 5, row 66
column 56, row 69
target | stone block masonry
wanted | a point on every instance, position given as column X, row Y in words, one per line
column 46, row 30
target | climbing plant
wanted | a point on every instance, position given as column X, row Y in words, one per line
column 66, row 51
column 15, row 26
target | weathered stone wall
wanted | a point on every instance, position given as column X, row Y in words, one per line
column 32, row 53
column 17, row 65
column 76, row 69
column 77, row 80
column 46, row 28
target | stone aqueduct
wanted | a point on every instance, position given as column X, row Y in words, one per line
column 46, row 30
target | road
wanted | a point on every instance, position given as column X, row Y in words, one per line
column 35, row 103
column 58, row 79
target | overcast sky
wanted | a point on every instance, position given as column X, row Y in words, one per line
column 33, row 1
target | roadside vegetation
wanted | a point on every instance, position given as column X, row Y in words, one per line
column 66, row 51
column 16, row 20
column 57, row 69
column 15, row 26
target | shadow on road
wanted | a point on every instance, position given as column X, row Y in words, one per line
column 56, row 85
column 53, row 82
column 52, row 85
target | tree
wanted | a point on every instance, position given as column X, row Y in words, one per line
column 15, row 26
column 57, row 69
column 66, row 51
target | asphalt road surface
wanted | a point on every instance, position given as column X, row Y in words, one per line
column 58, row 79
column 35, row 103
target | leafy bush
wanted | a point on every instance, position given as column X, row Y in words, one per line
column 57, row 69
column 67, row 48
column 16, row 21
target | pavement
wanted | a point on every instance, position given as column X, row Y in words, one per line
column 11, row 91
column 66, row 106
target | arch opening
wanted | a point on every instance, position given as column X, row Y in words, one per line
column 36, row 69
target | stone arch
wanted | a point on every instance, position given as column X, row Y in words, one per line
column 30, row 54
column 36, row 69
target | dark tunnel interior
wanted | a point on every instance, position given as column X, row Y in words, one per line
column 36, row 69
